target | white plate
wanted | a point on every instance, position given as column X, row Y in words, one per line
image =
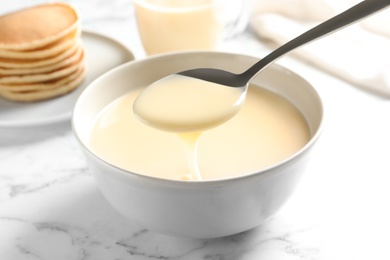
column 102, row 54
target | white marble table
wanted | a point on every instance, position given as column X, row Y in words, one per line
column 51, row 209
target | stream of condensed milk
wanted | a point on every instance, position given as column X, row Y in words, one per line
column 187, row 106
column 266, row 130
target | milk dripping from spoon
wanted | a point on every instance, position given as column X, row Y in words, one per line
column 187, row 106
column 192, row 101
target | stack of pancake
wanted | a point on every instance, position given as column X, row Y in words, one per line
column 41, row 53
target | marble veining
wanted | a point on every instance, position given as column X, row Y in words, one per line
column 50, row 207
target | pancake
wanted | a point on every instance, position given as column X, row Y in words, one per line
column 44, row 76
column 39, row 95
column 43, row 85
column 43, row 69
column 19, row 64
column 48, row 51
column 37, row 26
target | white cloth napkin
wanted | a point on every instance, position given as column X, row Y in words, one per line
column 359, row 54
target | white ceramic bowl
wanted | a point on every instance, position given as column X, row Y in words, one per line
column 196, row 209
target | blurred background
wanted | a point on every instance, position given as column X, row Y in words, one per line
column 266, row 25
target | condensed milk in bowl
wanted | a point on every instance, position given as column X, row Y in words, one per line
column 245, row 168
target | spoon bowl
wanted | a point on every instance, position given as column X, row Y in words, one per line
column 181, row 104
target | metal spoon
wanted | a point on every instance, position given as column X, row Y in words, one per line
column 344, row 19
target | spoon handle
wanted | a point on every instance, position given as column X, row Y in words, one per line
column 349, row 16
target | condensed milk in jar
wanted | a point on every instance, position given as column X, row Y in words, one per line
column 177, row 25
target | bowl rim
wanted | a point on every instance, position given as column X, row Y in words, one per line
column 123, row 173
